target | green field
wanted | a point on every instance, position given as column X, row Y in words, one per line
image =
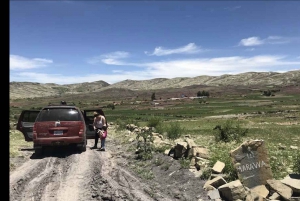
column 274, row 119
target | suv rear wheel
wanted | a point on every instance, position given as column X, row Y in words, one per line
column 38, row 150
column 82, row 146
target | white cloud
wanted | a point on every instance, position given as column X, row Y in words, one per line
column 65, row 79
column 252, row 41
column 232, row 8
column 110, row 58
column 255, row 41
column 22, row 63
column 190, row 48
column 217, row 66
column 170, row 69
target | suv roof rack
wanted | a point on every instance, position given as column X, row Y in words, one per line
column 61, row 103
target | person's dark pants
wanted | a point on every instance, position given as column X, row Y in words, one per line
column 96, row 137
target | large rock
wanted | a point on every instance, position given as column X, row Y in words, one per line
column 233, row 191
column 252, row 163
column 190, row 143
column 180, row 149
column 253, row 196
column 157, row 141
column 218, row 167
column 198, row 151
column 274, row 196
column 282, row 189
column 293, row 182
column 215, row 182
column 261, row 190
column 213, row 194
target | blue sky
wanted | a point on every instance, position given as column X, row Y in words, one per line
column 66, row 42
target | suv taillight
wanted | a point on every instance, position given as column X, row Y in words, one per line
column 34, row 134
column 81, row 129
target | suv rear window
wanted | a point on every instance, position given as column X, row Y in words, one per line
column 61, row 114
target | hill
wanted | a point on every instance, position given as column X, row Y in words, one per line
column 249, row 80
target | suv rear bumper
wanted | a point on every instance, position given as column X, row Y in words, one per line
column 58, row 141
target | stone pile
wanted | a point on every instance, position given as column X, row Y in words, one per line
column 255, row 181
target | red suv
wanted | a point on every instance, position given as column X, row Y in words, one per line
column 54, row 125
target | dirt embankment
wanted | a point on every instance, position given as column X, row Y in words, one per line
column 64, row 174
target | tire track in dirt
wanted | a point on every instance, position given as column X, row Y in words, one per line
column 47, row 178
column 59, row 182
column 33, row 177
column 95, row 175
column 80, row 177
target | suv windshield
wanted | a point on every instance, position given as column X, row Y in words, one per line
column 61, row 114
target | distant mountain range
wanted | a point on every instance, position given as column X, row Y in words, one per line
column 246, row 80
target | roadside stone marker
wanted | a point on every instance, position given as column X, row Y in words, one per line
column 252, row 163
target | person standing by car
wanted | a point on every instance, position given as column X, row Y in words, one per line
column 98, row 124
column 102, row 135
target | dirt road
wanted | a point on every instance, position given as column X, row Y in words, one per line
column 65, row 174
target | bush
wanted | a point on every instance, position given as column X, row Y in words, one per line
column 160, row 128
column 229, row 132
column 121, row 124
column 162, row 148
column 154, row 121
column 174, row 131
column 144, row 145
column 185, row 163
column 206, row 174
column 111, row 105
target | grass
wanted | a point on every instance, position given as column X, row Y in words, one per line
column 276, row 120
column 16, row 142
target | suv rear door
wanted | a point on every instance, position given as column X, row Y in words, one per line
column 59, row 121
column 25, row 123
column 89, row 119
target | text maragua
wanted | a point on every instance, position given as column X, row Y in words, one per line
column 251, row 166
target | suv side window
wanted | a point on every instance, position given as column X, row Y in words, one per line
column 61, row 114
column 29, row 117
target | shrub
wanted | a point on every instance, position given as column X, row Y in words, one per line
column 160, row 128
column 111, row 105
column 162, row 148
column 174, row 131
column 206, row 174
column 121, row 124
column 144, row 145
column 185, row 163
column 153, row 121
column 229, row 132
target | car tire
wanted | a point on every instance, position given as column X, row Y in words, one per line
column 38, row 150
column 83, row 146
